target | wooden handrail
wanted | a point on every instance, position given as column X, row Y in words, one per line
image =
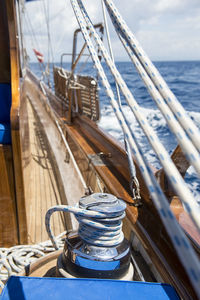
column 15, row 121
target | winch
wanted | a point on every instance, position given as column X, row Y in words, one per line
column 98, row 249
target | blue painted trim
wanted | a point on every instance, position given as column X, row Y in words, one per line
column 5, row 133
column 30, row 288
column 5, row 106
column 5, row 102
column 97, row 265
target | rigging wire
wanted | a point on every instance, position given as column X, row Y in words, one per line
column 50, row 48
column 186, row 144
column 64, row 31
column 45, row 7
column 180, row 113
column 86, row 188
column 82, row 67
column 47, row 16
column 33, row 39
column 32, row 30
column 150, row 173
column 172, row 172
column 178, row 238
column 41, row 66
column 134, row 183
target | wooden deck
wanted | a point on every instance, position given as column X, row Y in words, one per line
column 8, row 220
column 42, row 190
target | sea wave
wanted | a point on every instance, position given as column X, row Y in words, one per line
column 110, row 124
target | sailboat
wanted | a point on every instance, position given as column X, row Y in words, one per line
column 66, row 186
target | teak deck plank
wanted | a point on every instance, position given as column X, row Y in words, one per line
column 42, row 191
column 8, row 221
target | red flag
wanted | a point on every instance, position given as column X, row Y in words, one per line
column 39, row 55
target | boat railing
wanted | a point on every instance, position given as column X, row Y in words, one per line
column 67, row 54
column 74, row 59
column 177, row 119
column 81, row 91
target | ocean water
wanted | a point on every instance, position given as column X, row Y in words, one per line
column 183, row 77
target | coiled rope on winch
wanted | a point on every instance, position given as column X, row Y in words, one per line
column 95, row 228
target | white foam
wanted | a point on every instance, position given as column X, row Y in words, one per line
column 110, row 124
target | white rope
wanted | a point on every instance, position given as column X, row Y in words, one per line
column 13, row 260
column 134, row 183
column 33, row 38
column 173, row 174
column 178, row 238
column 64, row 139
column 163, row 88
column 100, row 229
column 72, row 157
column 50, row 47
column 33, row 34
column 186, row 144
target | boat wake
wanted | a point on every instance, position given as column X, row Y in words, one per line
column 110, row 124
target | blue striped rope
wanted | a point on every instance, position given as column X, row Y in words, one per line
column 170, row 98
column 100, row 229
column 178, row 184
column 178, row 238
column 186, row 144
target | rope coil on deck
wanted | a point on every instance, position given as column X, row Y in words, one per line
column 13, row 260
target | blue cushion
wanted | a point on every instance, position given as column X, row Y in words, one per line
column 5, row 102
column 30, row 288
column 5, row 133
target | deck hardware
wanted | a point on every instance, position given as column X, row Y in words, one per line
column 88, row 191
column 104, row 155
column 135, row 188
column 98, row 249
column 67, row 157
column 99, row 159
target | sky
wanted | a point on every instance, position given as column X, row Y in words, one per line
column 166, row 29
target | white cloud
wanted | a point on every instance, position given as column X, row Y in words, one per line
column 167, row 29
